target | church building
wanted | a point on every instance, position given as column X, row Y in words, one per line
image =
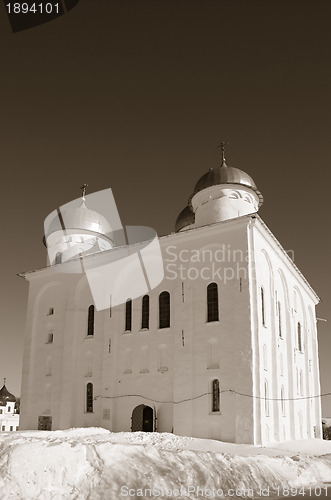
column 9, row 418
column 225, row 347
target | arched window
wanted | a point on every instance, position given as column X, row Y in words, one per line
column 262, row 306
column 58, row 258
column 145, row 312
column 128, row 315
column 216, row 395
column 164, row 310
column 89, row 398
column 299, row 337
column 49, row 336
column 279, row 319
column 212, row 302
column 282, row 397
column 266, row 398
column 90, row 321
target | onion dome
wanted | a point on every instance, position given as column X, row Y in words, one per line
column 81, row 217
column 185, row 218
column 226, row 175
column 6, row 396
column 221, row 194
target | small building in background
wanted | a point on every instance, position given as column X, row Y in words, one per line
column 9, row 418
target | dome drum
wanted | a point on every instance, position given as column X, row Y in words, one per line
column 219, row 203
column 220, row 194
column 73, row 243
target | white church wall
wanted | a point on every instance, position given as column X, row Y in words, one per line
column 172, row 369
column 9, row 420
column 297, row 360
column 44, row 339
column 231, row 334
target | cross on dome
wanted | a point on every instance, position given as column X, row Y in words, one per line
column 83, row 188
column 222, row 146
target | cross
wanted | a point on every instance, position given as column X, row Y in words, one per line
column 4, row 381
column 222, row 146
column 83, row 188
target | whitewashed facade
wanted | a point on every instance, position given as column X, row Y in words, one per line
column 9, row 419
column 241, row 369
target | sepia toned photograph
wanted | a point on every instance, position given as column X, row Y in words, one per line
column 165, row 299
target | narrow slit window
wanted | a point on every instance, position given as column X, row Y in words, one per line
column 266, row 398
column 90, row 321
column 212, row 302
column 58, row 258
column 49, row 337
column 89, row 398
column 299, row 337
column 216, row 395
column 164, row 310
column 128, row 315
column 145, row 313
column 262, row 306
column 279, row 320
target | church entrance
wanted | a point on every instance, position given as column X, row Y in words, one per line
column 44, row 423
column 142, row 419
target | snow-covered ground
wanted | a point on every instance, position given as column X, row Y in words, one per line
column 95, row 464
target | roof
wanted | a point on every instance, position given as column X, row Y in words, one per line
column 6, row 396
column 226, row 175
column 80, row 218
column 185, row 218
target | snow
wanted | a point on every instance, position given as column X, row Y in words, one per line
column 93, row 463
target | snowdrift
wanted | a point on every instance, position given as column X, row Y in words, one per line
column 97, row 464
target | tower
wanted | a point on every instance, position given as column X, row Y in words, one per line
column 76, row 230
column 220, row 194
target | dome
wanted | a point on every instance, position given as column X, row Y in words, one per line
column 80, row 218
column 185, row 218
column 6, row 396
column 226, row 175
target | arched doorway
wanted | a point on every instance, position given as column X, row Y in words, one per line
column 142, row 419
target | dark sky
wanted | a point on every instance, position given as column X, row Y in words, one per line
column 135, row 95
